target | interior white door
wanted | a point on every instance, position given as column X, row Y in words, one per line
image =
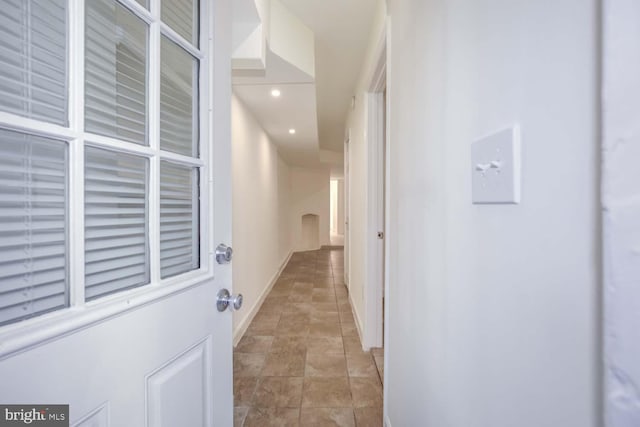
column 160, row 355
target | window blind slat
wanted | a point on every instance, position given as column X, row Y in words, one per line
column 116, row 217
column 179, row 248
column 116, row 72
column 34, row 58
column 182, row 16
column 33, row 229
column 178, row 100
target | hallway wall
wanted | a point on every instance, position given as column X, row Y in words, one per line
column 494, row 309
column 261, row 212
column 310, row 194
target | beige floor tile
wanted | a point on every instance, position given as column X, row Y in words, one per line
column 324, row 274
column 243, row 389
column 325, row 345
column 352, row 345
column 322, row 284
column 263, row 328
column 380, row 365
column 366, row 392
column 272, row 417
column 239, row 415
column 361, row 365
column 328, row 291
column 297, row 307
column 344, row 306
column 369, row 417
column 282, row 392
column 298, row 297
column 327, row 417
column 319, row 329
column 326, row 392
column 254, row 344
column 280, row 292
column 303, row 286
column 325, row 365
column 267, row 316
column 349, row 330
column 347, row 317
column 247, row 365
column 324, row 280
column 286, row 344
column 324, row 317
column 330, row 307
column 293, row 329
column 272, row 306
column 377, row 351
column 323, row 298
column 285, row 364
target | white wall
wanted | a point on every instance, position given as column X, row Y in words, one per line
column 309, row 195
column 621, row 211
column 493, row 310
column 261, row 212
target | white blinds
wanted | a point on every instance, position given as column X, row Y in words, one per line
column 115, row 72
column 116, row 217
column 179, row 219
column 178, row 100
column 182, row 16
column 33, row 44
column 33, row 227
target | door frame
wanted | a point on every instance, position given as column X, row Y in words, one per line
column 347, row 209
column 376, row 264
column 620, row 210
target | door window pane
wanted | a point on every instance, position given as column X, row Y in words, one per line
column 179, row 219
column 33, row 226
column 178, row 100
column 33, row 54
column 183, row 17
column 116, row 218
column 115, row 72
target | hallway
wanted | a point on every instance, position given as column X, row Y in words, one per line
column 300, row 361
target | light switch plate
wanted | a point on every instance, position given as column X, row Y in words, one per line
column 495, row 160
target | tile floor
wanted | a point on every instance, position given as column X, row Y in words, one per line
column 300, row 362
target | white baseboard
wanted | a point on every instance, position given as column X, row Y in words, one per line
column 359, row 326
column 244, row 325
column 387, row 422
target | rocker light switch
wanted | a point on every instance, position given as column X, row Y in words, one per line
column 495, row 162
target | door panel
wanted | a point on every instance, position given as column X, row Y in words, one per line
column 160, row 355
column 179, row 393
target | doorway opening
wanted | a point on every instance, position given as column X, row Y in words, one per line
column 336, row 211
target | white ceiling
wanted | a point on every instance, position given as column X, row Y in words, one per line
column 316, row 108
column 342, row 29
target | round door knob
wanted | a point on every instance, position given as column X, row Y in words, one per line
column 225, row 298
column 224, row 254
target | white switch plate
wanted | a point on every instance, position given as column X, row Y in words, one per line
column 495, row 160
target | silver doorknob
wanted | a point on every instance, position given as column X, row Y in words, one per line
column 224, row 254
column 225, row 298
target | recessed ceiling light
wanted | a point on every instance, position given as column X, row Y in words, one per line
column 275, row 93
column 292, row 131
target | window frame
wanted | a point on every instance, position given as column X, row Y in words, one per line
column 31, row 332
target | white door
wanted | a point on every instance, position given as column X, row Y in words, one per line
column 114, row 192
